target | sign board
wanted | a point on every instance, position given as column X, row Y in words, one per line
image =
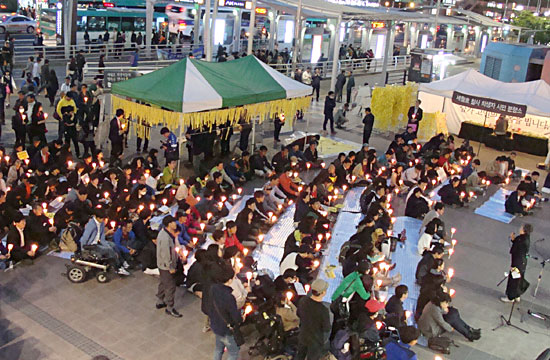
column 487, row 104
column 242, row 4
column 113, row 76
column 359, row 3
column 377, row 24
column 420, row 69
column 261, row 11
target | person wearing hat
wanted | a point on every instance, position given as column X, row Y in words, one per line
column 365, row 323
column 166, row 262
column 314, row 323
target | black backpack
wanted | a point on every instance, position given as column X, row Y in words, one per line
column 441, row 344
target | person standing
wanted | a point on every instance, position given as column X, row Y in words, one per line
column 330, row 104
column 368, row 121
column 170, row 145
column 340, row 82
column 166, row 263
column 116, row 135
column 314, row 323
column 224, row 314
column 80, row 62
column 316, row 83
column 306, row 76
column 349, row 87
column 501, row 129
column 519, row 252
column 415, row 116
column 279, row 122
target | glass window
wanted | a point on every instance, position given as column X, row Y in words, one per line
column 114, row 24
column 127, row 24
column 81, row 23
column 96, row 23
column 139, row 24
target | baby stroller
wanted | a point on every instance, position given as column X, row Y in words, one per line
column 274, row 343
column 85, row 262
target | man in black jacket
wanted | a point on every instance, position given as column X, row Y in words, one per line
column 519, row 252
column 414, row 116
column 395, row 314
column 427, row 261
column 314, row 323
column 368, row 121
column 513, row 203
column 38, row 228
column 224, row 313
column 116, row 135
column 330, row 104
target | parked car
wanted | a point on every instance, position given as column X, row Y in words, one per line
column 17, row 23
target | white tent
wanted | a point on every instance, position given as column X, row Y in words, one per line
column 436, row 96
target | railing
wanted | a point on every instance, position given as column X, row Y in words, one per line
column 110, row 50
column 358, row 66
column 397, row 64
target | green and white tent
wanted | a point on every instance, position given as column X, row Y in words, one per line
column 191, row 85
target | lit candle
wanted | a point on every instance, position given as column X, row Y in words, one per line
column 261, row 237
column 300, row 188
column 195, row 240
column 177, row 249
column 10, row 247
column 202, row 226
column 223, row 198
column 51, row 221
column 101, row 163
column 270, row 214
column 280, row 207
column 185, row 253
column 247, row 309
column 452, row 292
column 308, row 165
column 451, row 273
column 316, row 263
column 379, row 283
column 317, row 247
column 141, row 207
column 453, row 242
column 471, row 193
column 7, row 158
column 328, row 235
column 289, row 295
column 164, row 201
column 113, row 224
column 273, row 219
column 152, row 207
column 323, row 164
column 234, row 197
column 106, row 194
column 344, row 187
column 239, row 191
column 44, row 206
column 307, row 287
column 290, row 202
column 408, row 314
column 453, row 230
column 209, row 216
column 245, row 251
column 34, row 247
column 248, row 277
column 451, row 252
column 320, row 237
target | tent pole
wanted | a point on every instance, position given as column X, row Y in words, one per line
column 481, row 137
column 253, row 134
column 180, row 136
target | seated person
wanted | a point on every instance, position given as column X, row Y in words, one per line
column 281, row 160
column 169, row 175
column 233, row 170
column 439, row 317
column 288, row 312
column 285, row 283
column 514, row 202
column 184, row 238
column 226, row 179
column 417, row 206
column 425, row 241
column 259, row 163
column 395, row 314
column 230, row 236
column 311, row 155
column 402, row 350
column 22, row 247
column 449, row 193
column 497, row 170
column 38, row 227
column 123, row 239
column 94, row 234
column 288, row 187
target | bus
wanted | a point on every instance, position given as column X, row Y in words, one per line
column 97, row 21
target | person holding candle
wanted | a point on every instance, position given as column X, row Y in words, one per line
column 124, row 238
column 395, row 314
column 116, row 135
column 519, row 253
column 39, row 228
column 19, row 239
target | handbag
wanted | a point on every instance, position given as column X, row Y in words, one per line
column 339, row 307
column 234, row 329
column 441, row 344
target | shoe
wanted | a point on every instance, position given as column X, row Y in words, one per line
column 123, row 271
column 333, row 133
column 506, row 300
column 153, row 272
column 125, row 264
column 160, row 305
column 138, row 150
column 206, row 329
column 173, row 313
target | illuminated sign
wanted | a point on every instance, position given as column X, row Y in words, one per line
column 378, row 24
column 261, row 11
column 359, row 3
column 236, row 4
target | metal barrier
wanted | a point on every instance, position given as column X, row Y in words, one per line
column 93, row 51
column 358, row 66
column 396, row 66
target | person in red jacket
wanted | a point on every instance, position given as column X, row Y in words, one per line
column 231, row 236
column 285, row 183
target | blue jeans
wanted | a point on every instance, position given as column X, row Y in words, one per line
column 226, row 342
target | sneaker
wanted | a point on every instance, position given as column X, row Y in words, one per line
column 123, row 271
column 160, row 305
column 152, row 272
column 206, row 329
column 506, row 300
column 173, row 313
column 125, row 264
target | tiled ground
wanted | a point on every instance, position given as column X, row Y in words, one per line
column 43, row 316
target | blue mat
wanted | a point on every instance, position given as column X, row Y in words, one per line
column 494, row 207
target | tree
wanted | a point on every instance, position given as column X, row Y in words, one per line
column 526, row 19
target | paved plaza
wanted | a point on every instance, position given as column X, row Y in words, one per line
column 44, row 316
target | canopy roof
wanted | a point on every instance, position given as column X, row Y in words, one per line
column 192, row 85
column 534, row 94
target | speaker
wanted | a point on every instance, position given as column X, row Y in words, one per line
column 545, row 355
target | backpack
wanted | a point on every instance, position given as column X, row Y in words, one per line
column 338, row 345
column 344, row 250
column 441, row 344
column 69, row 237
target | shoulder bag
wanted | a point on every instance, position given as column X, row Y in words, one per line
column 234, row 329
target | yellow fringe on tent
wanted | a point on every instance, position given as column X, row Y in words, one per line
column 390, row 105
column 152, row 116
